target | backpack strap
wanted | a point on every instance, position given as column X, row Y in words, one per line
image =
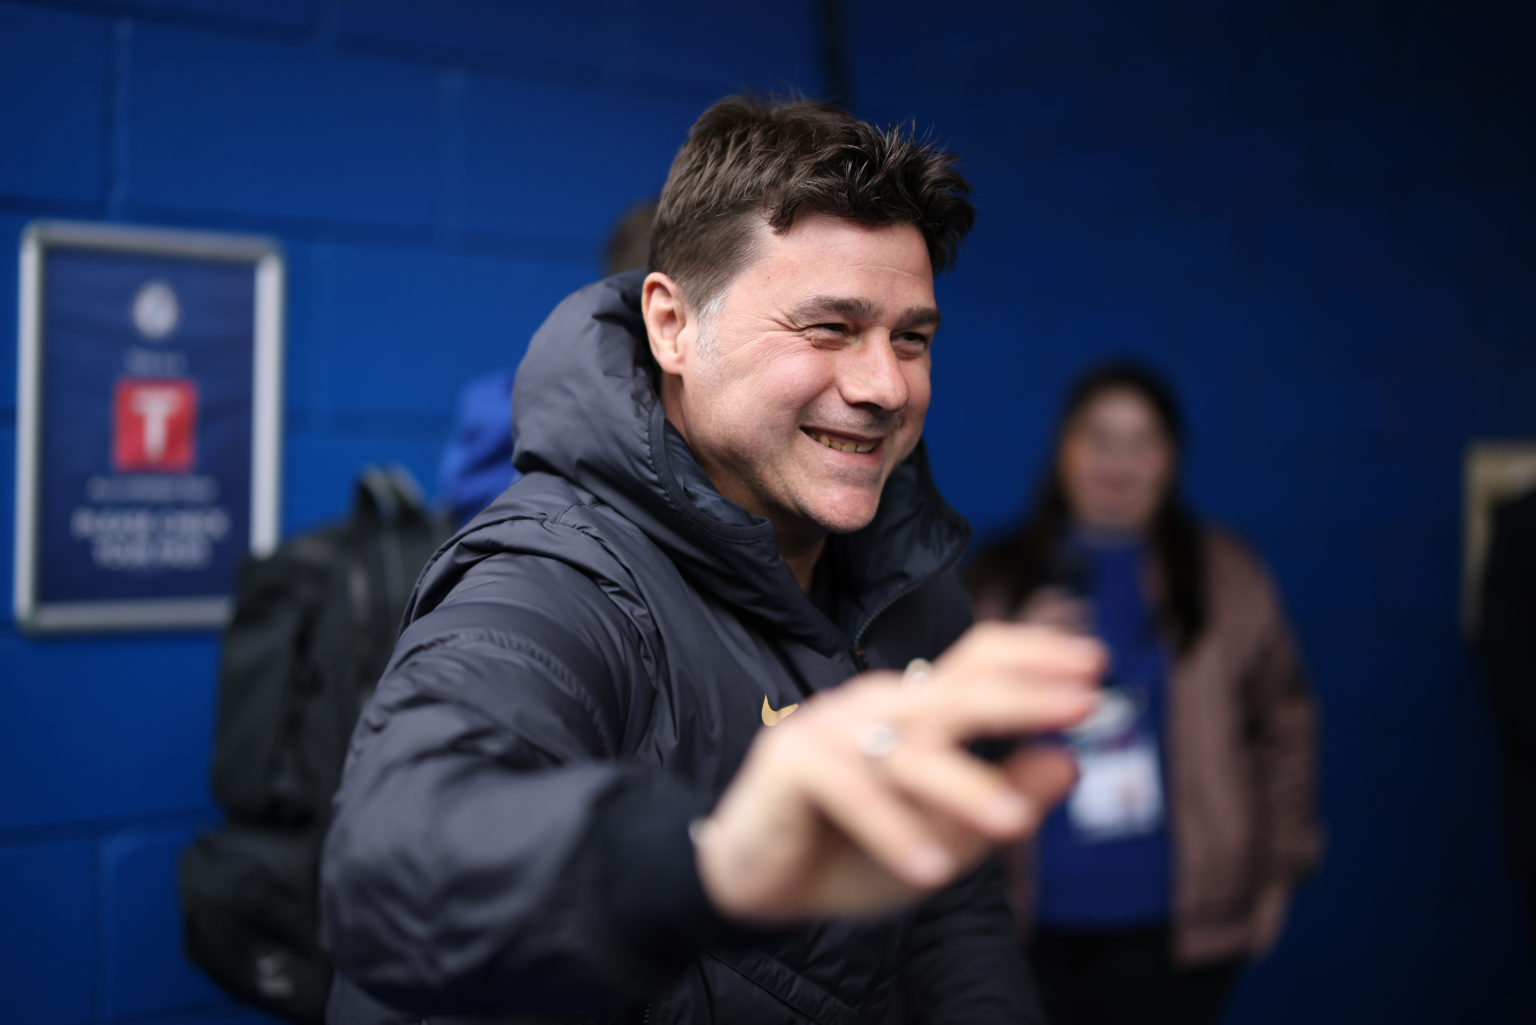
column 389, row 506
column 387, row 494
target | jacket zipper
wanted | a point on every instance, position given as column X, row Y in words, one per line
column 857, row 648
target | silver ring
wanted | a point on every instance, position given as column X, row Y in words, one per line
column 918, row 670
column 700, row 827
column 877, row 740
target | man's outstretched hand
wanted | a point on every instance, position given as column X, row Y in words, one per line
column 868, row 797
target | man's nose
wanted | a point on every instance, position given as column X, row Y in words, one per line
column 871, row 375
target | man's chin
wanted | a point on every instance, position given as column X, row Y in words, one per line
column 847, row 517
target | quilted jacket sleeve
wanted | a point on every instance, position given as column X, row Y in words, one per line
column 457, row 876
column 965, row 966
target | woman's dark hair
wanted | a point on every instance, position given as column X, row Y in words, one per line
column 1022, row 562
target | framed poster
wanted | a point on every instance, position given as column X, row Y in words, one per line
column 148, row 423
column 1495, row 471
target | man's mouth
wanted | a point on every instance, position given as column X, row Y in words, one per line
column 842, row 444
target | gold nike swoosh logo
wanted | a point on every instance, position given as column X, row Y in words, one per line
column 773, row 718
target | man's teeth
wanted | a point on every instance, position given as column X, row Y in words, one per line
column 845, row 446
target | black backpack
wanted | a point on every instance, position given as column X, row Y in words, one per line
column 313, row 627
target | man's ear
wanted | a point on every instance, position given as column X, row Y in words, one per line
column 669, row 322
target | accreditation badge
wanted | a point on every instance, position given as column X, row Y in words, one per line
column 1119, row 793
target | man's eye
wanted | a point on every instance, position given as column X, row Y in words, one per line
column 838, row 329
column 913, row 340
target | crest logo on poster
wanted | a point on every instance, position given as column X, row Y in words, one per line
column 154, row 425
column 156, row 311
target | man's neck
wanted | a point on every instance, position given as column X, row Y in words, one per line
column 801, row 554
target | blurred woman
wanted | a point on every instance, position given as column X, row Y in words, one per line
column 1172, row 862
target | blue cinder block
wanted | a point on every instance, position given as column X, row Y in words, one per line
column 771, row 48
column 447, row 316
column 1432, row 412
column 1290, row 74
column 1062, row 113
column 1116, row 106
column 1085, row 37
column 1328, row 246
column 306, row 348
column 608, row 42
column 548, row 161
column 1501, row 153
column 11, row 227
column 1056, row 271
column 53, row 77
column 566, row 36
column 1230, row 172
column 1393, row 149
column 1092, row 191
column 292, row 14
column 320, row 470
column 1174, row 261
column 1438, row 315
column 1451, row 226
column 1347, row 409
column 1017, row 41
column 1514, row 411
column 1266, row 328
column 267, row 130
column 48, row 891
column 604, row 40
column 1427, row 587
column 142, row 927
column 1221, row 335
column 1372, row 331
column 1171, row 95
column 1101, row 335
column 7, row 529
column 1379, row 493
column 107, row 727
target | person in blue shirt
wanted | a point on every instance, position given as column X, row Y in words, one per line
column 1173, row 860
column 476, row 463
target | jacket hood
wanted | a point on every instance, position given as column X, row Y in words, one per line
column 585, row 409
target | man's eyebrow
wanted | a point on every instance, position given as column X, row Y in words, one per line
column 820, row 306
column 918, row 316
column 854, row 308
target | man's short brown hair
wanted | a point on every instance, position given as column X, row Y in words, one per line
column 748, row 159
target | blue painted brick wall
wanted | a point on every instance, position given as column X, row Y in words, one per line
column 48, row 888
column 57, row 152
column 258, row 129
column 1317, row 216
column 439, row 176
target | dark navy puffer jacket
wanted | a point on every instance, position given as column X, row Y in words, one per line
column 581, row 672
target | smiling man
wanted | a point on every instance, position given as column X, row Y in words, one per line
column 807, row 385
column 579, row 791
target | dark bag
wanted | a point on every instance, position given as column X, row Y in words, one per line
column 313, row 627
column 249, row 918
